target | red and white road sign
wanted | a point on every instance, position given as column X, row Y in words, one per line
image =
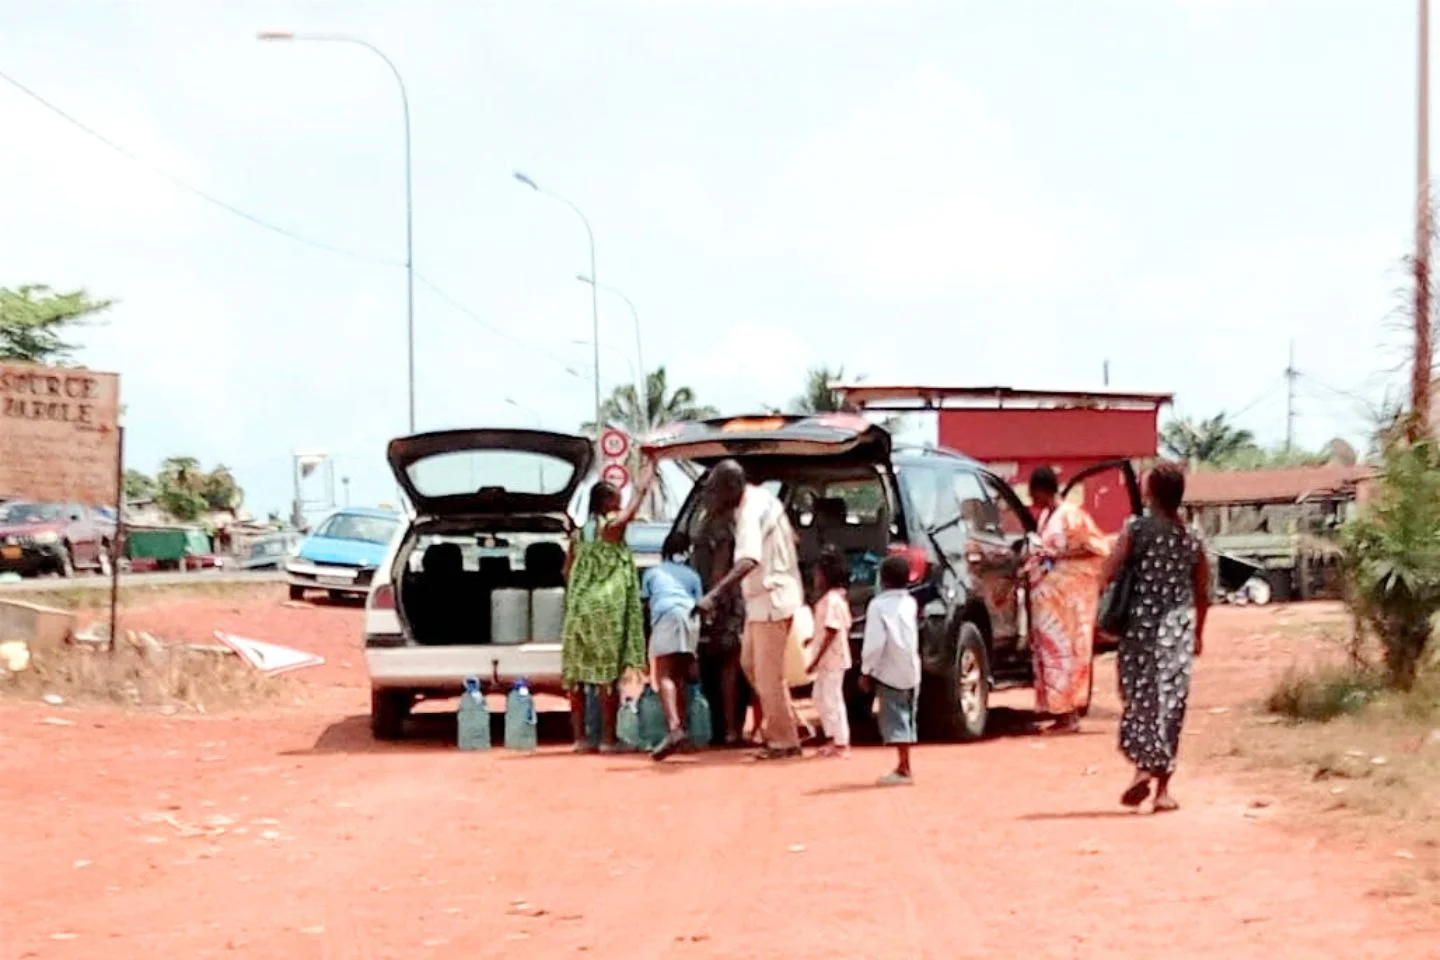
column 616, row 475
column 614, row 444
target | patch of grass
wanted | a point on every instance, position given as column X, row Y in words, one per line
column 141, row 672
column 1324, row 693
column 94, row 595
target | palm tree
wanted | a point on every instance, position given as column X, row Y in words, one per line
column 1212, row 441
column 819, row 396
column 661, row 405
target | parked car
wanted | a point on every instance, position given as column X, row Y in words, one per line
column 645, row 540
column 962, row 529
column 490, row 513
column 53, row 538
column 342, row 554
column 269, row 552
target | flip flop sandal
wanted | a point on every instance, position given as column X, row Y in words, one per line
column 1136, row 794
column 669, row 745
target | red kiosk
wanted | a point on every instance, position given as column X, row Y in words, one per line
column 1014, row 431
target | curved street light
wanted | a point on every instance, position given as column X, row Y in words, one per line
column 594, row 296
column 271, row 35
column 641, row 382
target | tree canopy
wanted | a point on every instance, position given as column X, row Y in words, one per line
column 1212, row 440
column 185, row 491
column 623, row 408
column 35, row 319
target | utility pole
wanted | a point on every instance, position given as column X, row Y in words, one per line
column 1419, row 423
column 1105, row 373
column 1291, row 375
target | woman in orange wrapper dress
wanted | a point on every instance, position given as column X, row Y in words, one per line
column 1064, row 571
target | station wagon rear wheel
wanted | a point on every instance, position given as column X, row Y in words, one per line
column 388, row 710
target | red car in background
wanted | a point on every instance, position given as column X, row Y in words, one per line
column 53, row 538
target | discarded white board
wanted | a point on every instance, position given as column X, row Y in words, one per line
column 269, row 658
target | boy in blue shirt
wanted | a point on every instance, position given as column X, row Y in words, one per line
column 673, row 588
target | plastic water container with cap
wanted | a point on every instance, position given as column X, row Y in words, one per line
column 627, row 724
column 652, row 719
column 472, row 718
column 509, row 615
column 699, row 726
column 521, row 731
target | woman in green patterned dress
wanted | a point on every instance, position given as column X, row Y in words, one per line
column 604, row 629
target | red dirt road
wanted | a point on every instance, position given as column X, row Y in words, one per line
column 291, row 835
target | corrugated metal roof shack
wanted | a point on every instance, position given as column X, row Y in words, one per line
column 1285, row 520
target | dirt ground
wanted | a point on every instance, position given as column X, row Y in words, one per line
column 289, row 834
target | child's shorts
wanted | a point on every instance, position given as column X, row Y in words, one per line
column 897, row 713
column 675, row 632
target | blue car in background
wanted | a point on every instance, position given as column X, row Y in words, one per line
column 341, row 555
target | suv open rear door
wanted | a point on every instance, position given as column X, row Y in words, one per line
column 1103, row 484
column 844, row 436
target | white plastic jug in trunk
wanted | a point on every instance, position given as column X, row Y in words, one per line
column 547, row 614
column 509, row 615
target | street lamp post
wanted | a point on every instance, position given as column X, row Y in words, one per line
column 409, row 205
column 643, row 381
column 594, row 295
column 629, row 363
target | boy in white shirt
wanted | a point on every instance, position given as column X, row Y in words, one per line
column 890, row 662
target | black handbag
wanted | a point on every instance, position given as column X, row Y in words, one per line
column 1117, row 596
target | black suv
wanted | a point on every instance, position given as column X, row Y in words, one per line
column 963, row 530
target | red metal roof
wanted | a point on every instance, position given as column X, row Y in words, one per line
column 1272, row 486
column 874, row 397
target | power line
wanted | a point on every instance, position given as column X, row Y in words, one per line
column 189, row 187
column 498, row 331
column 1269, row 389
column 264, row 224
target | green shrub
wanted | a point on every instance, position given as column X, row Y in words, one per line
column 1392, row 555
column 1324, row 694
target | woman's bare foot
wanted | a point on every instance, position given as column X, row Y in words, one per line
column 1069, row 723
column 584, row 746
column 1165, row 803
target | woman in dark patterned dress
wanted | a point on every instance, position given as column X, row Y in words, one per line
column 1164, row 630
column 721, row 632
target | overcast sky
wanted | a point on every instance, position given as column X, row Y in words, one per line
column 982, row 192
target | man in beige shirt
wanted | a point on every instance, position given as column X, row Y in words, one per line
column 767, row 567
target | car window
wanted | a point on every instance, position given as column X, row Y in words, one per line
column 976, row 507
column 467, row 471
column 1006, row 515
column 919, row 484
column 28, row 512
column 864, row 498
column 356, row 526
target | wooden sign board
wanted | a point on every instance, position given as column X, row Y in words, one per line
column 59, row 434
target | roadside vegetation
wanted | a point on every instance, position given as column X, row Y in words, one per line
column 1365, row 721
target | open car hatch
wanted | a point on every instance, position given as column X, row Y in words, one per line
column 706, row 442
column 490, row 471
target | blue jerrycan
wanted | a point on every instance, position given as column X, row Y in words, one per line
column 472, row 718
column 521, row 731
column 698, row 724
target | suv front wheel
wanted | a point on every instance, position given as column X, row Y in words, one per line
column 955, row 705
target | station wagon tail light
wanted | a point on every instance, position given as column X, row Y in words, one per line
column 382, row 598
column 916, row 557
